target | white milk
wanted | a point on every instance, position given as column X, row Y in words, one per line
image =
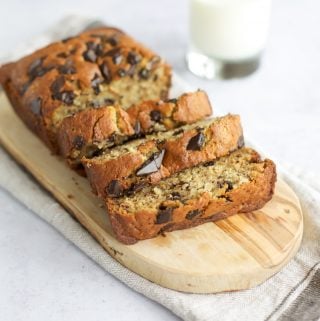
column 229, row 30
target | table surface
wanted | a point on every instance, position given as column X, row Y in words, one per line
column 45, row 277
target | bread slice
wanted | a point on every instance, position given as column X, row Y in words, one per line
column 238, row 183
column 98, row 67
column 89, row 131
column 127, row 168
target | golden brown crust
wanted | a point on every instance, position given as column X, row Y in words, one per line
column 132, row 227
column 69, row 73
column 108, row 126
column 186, row 109
column 221, row 137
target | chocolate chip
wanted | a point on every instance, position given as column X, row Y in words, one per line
column 156, row 115
column 196, row 142
column 108, row 102
column 133, row 58
column 164, row 215
column 95, row 82
column 115, row 54
column 222, row 183
column 35, row 65
column 178, row 132
column 175, row 196
column 191, row 214
column 144, row 73
column 114, row 189
column 78, row 142
column 136, row 188
column 152, row 165
column 56, row 86
column 67, row 97
column 96, row 47
column 211, row 163
column 131, row 70
column 90, row 55
column 112, row 41
column 92, row 151
column 105, row 72
column 230, row 186
column 241, row 141
column 94, row 104
column 137, row 128
column 67, row 69
column 122, row 72
column 35, row 106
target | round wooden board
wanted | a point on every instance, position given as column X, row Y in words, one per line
column 232, row 254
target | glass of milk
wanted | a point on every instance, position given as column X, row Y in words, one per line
column 227, row 37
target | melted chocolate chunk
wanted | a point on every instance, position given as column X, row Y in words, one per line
column 67, row 69
column 115, row 54
column 67, row 97
column 35, row 106
column 108, row 102
column 137, row 128
column 131, row 70
column 35, row 65
column 175, row 196
column 56, row 87
column 95, row 104
column 229, row 184
column 191, row 214
column 114, row 189
column 112, row 41
column 133, row 58
column 90, row 55
column 211, row 163
column 178, row 132
column 78, row 142
column 105, row 72
column 92, row 151
column 122, row 72
column 196, row 142
column 135, row 188
column 152, row 165
column 144, row 73
column 164, row 215
column 156, row 115
column 95, row 82
column 241, row 141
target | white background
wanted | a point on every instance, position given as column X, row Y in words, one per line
column 42, row 275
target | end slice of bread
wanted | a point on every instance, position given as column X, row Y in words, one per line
column 238, row 183
column 92, row 130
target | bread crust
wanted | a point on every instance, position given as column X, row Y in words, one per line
column 132, row 227
column 74, row 72
column 221, row 137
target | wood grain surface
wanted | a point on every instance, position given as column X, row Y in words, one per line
column 232, row 254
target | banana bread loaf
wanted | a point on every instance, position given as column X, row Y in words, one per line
column 88, row 131
column 238, row 183
column 98, row 67
column 127, row 168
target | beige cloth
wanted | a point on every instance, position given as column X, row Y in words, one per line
column 292, row 294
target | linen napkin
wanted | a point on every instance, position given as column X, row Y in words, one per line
column 292, row 294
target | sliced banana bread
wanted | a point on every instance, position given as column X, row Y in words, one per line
column 98, row 67
column 238, row 183
column 88, row 131
column 127, row 168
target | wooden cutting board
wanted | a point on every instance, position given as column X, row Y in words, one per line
column 236, row 253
